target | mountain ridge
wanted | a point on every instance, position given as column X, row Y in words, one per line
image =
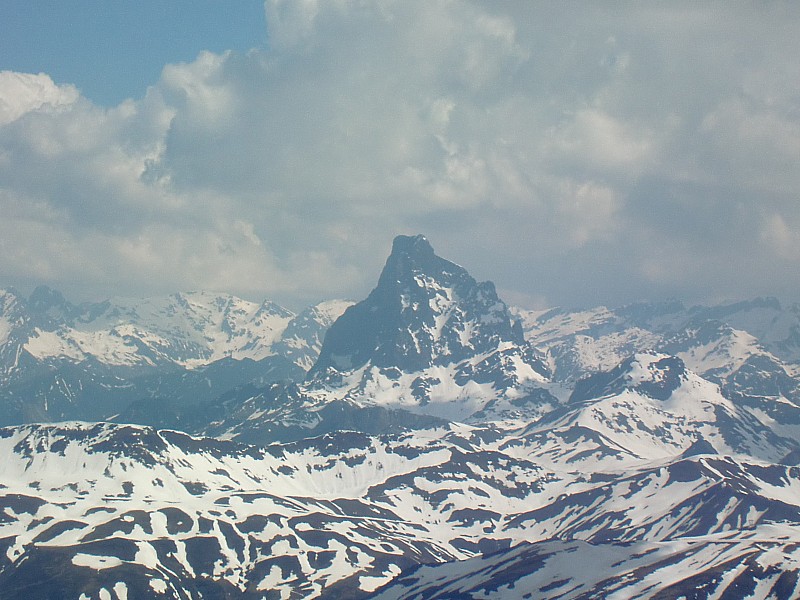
column 431, row 442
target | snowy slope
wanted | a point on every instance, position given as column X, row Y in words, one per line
column 188, row 329
column 139, row 508
column 162, row 514
column 726, row 566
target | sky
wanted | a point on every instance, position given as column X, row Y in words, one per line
column 575, row 153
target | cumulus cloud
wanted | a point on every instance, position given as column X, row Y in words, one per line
column 575, row 153
column 25, row 92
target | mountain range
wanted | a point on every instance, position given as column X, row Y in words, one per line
column 428, row 441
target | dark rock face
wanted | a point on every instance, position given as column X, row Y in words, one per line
column 424, row 311
column 44, row 299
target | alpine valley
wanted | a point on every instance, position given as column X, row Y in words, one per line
column 426, row 442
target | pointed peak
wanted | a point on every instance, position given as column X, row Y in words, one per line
column 416, row 245
column 412, row 255
column 424, row 311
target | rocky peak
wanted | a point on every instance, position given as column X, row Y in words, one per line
column 424, row 311
column 50, row 307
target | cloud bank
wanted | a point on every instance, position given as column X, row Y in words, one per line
column 575, row 153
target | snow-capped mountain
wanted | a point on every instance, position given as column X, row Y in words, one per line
column 186, row 329
column 652, row 408
column 429, row 339
column 755, row 361
column 429, row 342
column 710, row 339
column 61, row 361
column 427, row 442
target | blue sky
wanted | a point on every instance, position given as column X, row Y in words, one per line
column 576, row 153
column 114, row 50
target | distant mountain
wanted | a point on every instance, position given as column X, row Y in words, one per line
column 187, row 329
column 60, row 361
column 749, row 349
column 429, row 343
column 582, row 341
column 426, row 442
column 429, row 339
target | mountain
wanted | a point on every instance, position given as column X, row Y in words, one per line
column 60, row 361
column 426, row 442
column 187, row 329
column 424, row 311
column 429, row 339
column 748, row 349
column 428, row 344
column 580, row 341
column 120, row 508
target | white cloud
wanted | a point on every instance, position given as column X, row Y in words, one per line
column 602, row 143
column 21, row 93
column 581, row 153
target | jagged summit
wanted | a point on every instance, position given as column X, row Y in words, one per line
column 417, row 245
column 414, row 256
column 431, row 339
column 424, row 311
